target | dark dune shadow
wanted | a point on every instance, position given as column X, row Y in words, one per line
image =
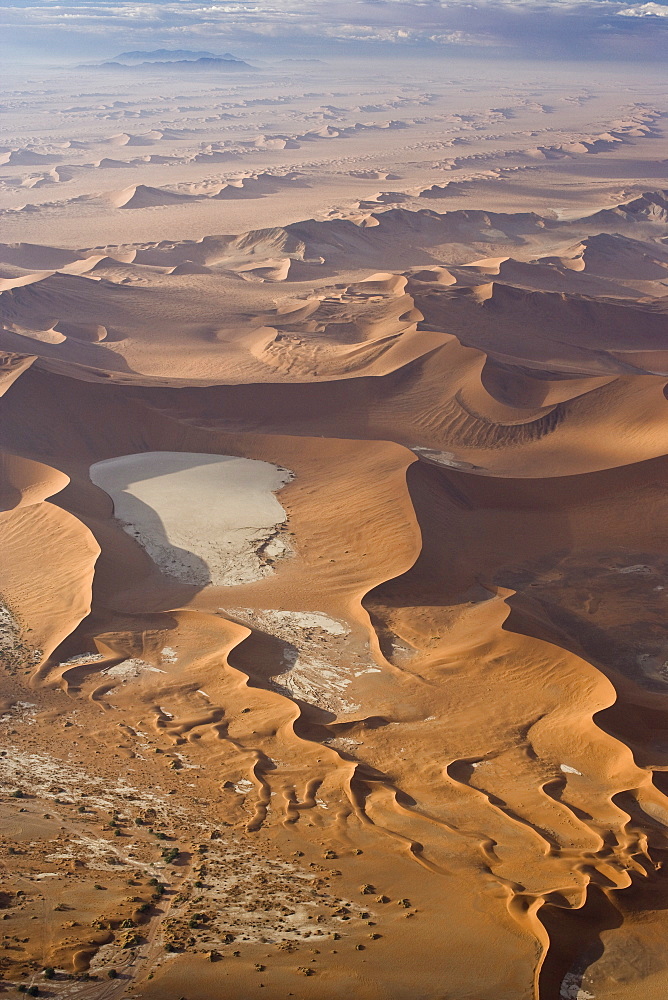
column 575, row 940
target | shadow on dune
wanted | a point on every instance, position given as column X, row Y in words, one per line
column 575, row 942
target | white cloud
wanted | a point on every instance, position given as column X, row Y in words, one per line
column 465, row 38
column 645, row 10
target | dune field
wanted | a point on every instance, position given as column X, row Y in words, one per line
column 333, row 543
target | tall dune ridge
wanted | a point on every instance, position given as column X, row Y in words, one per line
column 334, row 548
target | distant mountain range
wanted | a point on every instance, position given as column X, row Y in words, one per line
column 226, row 62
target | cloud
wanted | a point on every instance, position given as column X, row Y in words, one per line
column 645, row 10
column 524, row 28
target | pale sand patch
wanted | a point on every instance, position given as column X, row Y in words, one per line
column 443, row 458
column 307, row 620
column 570, row 988
column 204, row 519
column 131, row 668
column 319, row 662
column 74, row 661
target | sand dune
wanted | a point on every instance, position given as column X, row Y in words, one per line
column 108, row 162
column 28, row 255
column 138, row 196
column 26, row 482
column 137, row 139
column 143, row 196
column 615, row 256
column 332, row 515
column 14, row 277
column 26, row 157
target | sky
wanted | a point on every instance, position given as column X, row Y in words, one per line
column 528, row 29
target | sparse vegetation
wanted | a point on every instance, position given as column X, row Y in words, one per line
column 130, row 940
